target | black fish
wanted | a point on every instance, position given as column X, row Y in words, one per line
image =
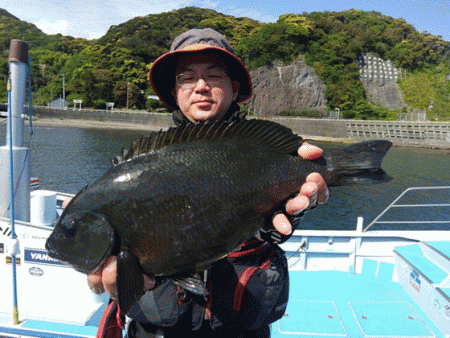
column 178, row 201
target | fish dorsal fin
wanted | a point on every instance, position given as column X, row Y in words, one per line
column 271, row 134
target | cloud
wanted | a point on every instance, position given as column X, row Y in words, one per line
column 55, row 27
column 91, row 19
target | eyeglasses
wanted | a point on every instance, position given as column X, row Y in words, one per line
column 212, row 78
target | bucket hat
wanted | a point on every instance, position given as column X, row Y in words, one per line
column 197, row 41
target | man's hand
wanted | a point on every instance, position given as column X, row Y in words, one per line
column 313, row 191
column 104, row 279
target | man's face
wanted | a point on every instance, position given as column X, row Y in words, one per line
column 199, row 100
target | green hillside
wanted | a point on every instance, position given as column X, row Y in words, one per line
column 100, row 70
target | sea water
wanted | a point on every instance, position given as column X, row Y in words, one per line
column 65, row 159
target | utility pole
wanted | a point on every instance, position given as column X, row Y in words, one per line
column 64, row 91
column 128, row 90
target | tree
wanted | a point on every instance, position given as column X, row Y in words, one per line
column 128, row 92
column 103, row 83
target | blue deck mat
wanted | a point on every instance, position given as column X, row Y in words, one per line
column 443, row 247
column 311, row 317
column 55, row 327
column 389, row 319
column 413, row 249
column 446, row 291
column 320, row 300
column 419, row 261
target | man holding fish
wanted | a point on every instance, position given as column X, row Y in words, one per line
column 202, row 80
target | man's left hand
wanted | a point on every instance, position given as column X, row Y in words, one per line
column 313, row 191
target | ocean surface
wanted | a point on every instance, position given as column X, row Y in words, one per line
column 66, row 159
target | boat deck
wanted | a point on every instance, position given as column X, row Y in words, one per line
column 337, row 304
column 46, row 329
column 411, row 301
column 50, row 329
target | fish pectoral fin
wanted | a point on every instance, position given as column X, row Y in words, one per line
column 130, row 280
column 191, row 284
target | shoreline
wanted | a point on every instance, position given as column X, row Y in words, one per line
column 99, row 124
column 95, row 124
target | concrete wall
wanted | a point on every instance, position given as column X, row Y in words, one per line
column 422, row 134
column 134, row 117
column 427, row 134
column 430, row 134
column 329, row 128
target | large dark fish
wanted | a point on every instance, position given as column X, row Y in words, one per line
column 178, row 201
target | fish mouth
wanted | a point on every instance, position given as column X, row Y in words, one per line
column 86, row 266
column 86, row 250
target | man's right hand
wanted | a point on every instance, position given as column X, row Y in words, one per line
column 104, row 279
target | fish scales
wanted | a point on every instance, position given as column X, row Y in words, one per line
column 177, row 216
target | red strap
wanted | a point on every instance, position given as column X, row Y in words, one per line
column 112, row 322
column 240, row 287
column 242, row 283
column 251, row 242
column 249, row 247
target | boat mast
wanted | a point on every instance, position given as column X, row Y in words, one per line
column 15, row 157
column 18, row 67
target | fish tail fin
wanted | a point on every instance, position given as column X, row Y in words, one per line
column 358, row 163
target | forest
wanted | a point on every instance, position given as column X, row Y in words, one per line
column 115, row 66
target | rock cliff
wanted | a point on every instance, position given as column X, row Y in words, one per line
column 379, row 78
column 295, row 87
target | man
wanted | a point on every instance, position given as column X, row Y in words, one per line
column 201, row 79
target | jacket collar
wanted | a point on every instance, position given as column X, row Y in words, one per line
column 234, row 114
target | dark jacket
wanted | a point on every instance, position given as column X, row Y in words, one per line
column 248, row 290
column 234, row 114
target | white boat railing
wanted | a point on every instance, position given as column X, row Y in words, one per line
column 395, row 204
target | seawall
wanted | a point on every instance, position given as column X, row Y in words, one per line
column 120, row 116
column 408, row 133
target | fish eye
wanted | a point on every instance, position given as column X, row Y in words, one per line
column 70, row 229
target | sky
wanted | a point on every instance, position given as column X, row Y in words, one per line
column 91, row 19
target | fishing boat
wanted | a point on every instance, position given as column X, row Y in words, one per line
column 385, row 279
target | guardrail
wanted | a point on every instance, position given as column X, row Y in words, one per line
column 426, row 133
column 415, row 204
